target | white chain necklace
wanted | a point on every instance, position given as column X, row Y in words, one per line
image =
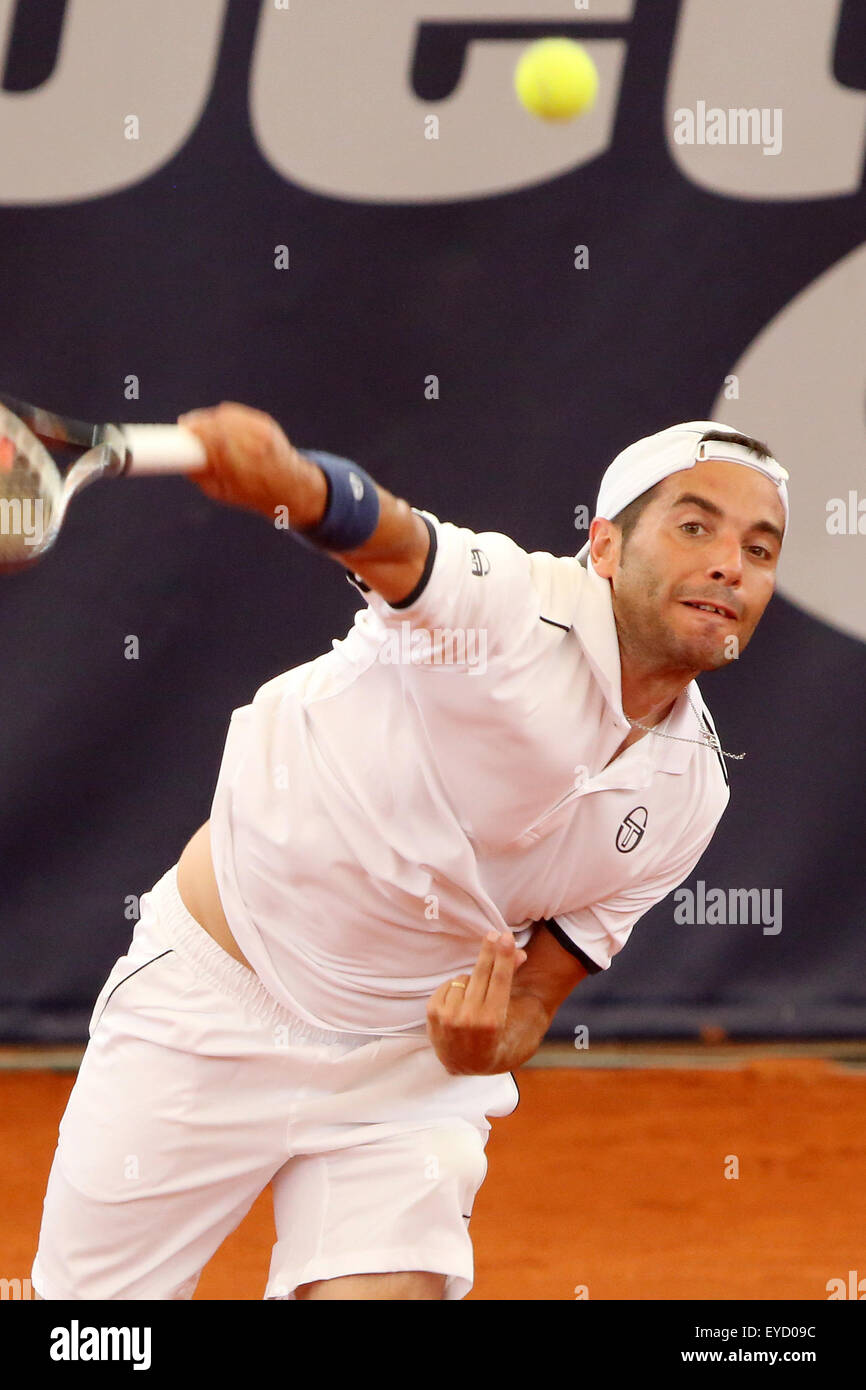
column 707, row 739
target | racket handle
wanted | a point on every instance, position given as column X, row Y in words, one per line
column 155, row 449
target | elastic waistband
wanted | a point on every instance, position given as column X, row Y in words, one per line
column 180, row 930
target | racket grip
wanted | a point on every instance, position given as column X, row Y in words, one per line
column 162, row 449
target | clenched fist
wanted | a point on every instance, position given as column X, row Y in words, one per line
column 250, row 463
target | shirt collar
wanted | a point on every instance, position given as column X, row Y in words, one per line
column 595, row 627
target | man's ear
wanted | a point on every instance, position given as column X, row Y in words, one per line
column 604, row 540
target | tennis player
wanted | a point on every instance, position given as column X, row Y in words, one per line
column 419, row 844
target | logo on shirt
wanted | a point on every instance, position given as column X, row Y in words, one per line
column 631, row 830
column 480, row 563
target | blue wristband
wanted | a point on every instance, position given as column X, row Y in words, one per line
column 352, row 510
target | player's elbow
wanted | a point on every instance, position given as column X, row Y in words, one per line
column 394, row 560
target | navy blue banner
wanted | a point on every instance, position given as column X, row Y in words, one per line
column 354, row 226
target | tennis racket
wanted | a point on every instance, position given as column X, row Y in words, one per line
column 45, row 459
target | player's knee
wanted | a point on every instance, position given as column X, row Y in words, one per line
column 402, row 1285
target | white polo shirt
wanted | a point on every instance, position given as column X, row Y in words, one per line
column 443, row 770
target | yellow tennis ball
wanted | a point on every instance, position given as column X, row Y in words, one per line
column 556, row 79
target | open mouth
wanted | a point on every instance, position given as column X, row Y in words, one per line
column 718, row 609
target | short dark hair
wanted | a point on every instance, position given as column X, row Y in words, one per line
column 756, row 445
column 629, row 517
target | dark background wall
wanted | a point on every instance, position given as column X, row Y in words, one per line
column 138, row 279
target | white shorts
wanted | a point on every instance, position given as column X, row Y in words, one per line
column 197, row 1089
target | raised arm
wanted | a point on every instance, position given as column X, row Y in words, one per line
column 251, row 464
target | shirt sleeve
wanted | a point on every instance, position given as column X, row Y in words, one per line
column 477, row 589
column 595, row 934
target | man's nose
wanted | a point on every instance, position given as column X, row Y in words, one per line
column 725, row 560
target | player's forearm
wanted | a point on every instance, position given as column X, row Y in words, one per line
column 297, row 484
column 252, row 464
column 391, row 561
column 287, row 486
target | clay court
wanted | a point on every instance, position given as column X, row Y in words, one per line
column 609, row 1178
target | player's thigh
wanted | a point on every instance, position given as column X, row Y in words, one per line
column 156, row 1098
column 393, row 1205
column 162, row 1149
column 407, row 1285
column 145, row 1248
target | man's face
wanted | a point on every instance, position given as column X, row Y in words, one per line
column 710, row 534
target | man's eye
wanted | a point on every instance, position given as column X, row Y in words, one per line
column 685, row 524
column 762, row 551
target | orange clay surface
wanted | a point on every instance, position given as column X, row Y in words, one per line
column 608, row 1180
